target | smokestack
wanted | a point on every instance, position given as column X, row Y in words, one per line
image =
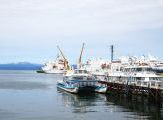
column 112, row 52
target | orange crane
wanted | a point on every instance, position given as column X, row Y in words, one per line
column 66, row 64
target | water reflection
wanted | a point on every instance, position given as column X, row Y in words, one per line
column 80, row 103
column 138, row 107
column 132, row 108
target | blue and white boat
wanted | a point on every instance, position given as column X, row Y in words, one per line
column 80, row 80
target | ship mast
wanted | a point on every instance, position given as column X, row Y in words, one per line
column 112, row 52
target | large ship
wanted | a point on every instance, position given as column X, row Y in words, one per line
column 56, row 66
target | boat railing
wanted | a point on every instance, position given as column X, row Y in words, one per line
column 155, row 83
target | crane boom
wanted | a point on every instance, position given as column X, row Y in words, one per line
column 61, row 53
column 80, row 57
column 65, row 60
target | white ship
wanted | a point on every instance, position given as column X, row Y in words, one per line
column 151, row 61
column 56, row 66
column 142, row 76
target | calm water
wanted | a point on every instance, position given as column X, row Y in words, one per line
column 26, row 95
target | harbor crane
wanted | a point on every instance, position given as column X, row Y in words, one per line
column 80, row 57
column 66, row 64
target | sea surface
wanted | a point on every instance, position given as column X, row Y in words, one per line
column 27, row 95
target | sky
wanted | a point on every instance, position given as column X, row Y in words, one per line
column 30, row 30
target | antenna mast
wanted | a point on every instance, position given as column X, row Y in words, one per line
column 112, row 52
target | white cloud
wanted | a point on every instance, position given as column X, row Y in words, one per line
column 26, row 22
column 76, row 16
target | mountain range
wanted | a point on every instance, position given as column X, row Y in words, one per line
column 20, row 66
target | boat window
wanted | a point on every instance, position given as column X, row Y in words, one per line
column 142, row 78
column 80, row 71
column 76, row 72
column 54, row 66
column 85, row 71
column 77, row 78
column 155, row 78
column 145, row 83
column 149, row 69
column 138, row 82
column 138, row 78
column 152, row 83
column 139, row 69
column 89, row 78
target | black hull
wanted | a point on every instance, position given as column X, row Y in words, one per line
column 40, row 71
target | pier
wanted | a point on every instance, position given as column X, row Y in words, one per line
column 154, row 94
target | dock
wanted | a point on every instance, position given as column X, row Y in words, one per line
column 154, row 94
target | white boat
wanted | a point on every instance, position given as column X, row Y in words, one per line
column 80, row 80
column 97, row 67
column 55, row 67
column 142, row 76
column 151, row 61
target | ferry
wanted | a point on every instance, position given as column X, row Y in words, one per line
column 141, row 76
column 81, row 81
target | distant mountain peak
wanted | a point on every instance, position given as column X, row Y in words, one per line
column 24, row 63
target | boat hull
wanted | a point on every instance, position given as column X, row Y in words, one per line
column 68, row 89
column 54, row 71
column 40, row 71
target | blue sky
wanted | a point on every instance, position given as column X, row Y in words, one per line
column 30, row 30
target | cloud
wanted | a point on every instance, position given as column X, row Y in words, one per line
column 40, row 24
column 76, row 16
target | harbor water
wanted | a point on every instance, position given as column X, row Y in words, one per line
column 27, row 95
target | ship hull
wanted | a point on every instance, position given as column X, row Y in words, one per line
column 54, row 71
